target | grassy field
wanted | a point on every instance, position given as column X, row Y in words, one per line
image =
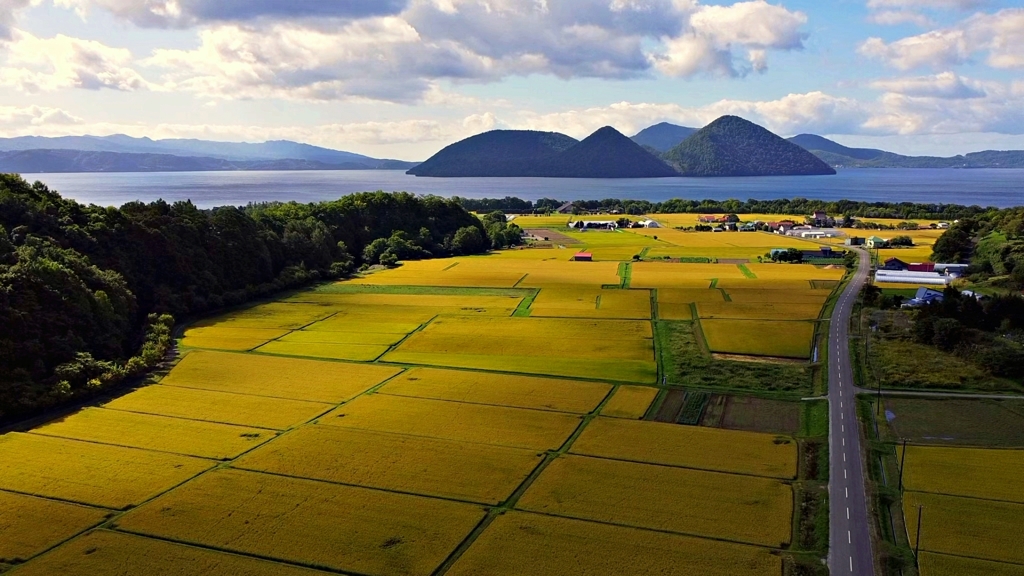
column 958, row 421
column 472, row 415
column 685, row 363
column 908, row 365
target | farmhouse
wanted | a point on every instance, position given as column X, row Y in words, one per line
column 583, row 257
column 895, row 264
column 855, row 241
column 712, row 219
column 875, row 242
column 826, row 252
column 924, row 297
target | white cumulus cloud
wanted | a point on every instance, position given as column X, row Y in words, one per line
column 1000, row 36
column 46, row 64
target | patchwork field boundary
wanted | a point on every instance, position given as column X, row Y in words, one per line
column 523, row 310
column 746, row 271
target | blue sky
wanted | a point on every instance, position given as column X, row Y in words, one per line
column 403, row 78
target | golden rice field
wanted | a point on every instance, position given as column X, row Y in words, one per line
column 499, row 389
column 277, row 377
column 945, row 565
column 105, row 553
column 972, row 472
column 689, row 447
column 159, row 433
column 28, row 524
column 550, row 346
column 520, row 543
column 432, row 419
column 969, row 527
column 773, row 338
column 311, row 523
column 494, row 425
column 106, row 476
column 222, row 407
column 402, row 463
column 630, row 402
column 678, row 500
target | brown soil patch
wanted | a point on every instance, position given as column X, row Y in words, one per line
column 761, row 415
column 734, row 261
column 550, row 236
column 671, row 407
column 757, row 359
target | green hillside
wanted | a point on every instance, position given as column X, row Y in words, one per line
column 732, row 146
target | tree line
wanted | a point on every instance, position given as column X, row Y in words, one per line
column 901, row 210
column 88, row 294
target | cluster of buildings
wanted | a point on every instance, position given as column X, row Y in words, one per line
column 896, row 271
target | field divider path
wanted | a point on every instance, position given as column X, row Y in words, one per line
column 110, row 523
column 292, row 331
column 514, row 498
column 395, row 346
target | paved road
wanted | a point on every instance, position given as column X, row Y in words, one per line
column 850, row 549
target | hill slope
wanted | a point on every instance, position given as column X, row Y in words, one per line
column 607, row 153
column 837, row 155
column 732, row 146
column 663, row 137
column 496, row 153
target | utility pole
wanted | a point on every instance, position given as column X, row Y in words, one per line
column 917, row 544
column 903, row 463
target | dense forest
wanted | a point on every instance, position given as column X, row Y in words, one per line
column 88, row 294
column 901, row 211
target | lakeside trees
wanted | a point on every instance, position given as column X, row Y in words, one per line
column 78, row 284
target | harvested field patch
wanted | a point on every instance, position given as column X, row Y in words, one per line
column 673, row 499
column 689, row 447
column 352, row 352
column 428, row 466
column 107, row 476
column 104, row 553
column 519, row 543
column 972, row 472
column 160, row 433
column 30, row 525
column 630, row 402
column 499, row 389
column 759, row 337
column 496, row 425
column 958, row 421
column 761, row 415
column 967, row 526
column 943, row 565
column 331, row 382
column 223, row 407
column 313, row 523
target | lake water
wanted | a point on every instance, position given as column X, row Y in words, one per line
column 1000, row 188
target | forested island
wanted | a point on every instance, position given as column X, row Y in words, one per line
column 729, row 146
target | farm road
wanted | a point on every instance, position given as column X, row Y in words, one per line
column 850, row 550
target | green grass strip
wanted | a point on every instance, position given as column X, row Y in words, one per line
column 746, row 271
column 714, row 283
column 626, row 274
column 523, row 310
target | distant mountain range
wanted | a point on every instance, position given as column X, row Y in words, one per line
column 120, row 153
column 730, row 146
column 841, row 156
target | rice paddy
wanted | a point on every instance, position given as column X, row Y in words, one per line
column 473, row 415
column 971, row 505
